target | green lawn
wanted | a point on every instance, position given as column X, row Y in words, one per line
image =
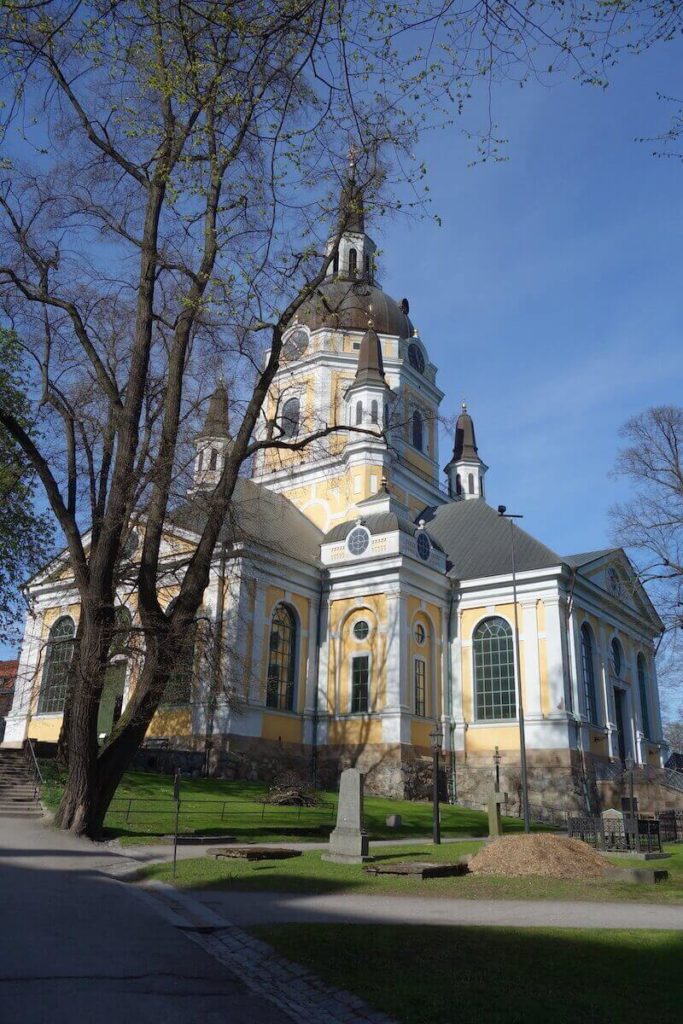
column 310, row 874
column 435, row 975
column 215, row 807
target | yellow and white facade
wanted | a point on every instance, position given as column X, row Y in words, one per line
column 360, row 599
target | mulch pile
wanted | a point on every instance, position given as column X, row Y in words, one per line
column 546, row 855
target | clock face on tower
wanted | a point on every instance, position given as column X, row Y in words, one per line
column 296, row 344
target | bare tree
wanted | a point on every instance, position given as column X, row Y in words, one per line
column 650, row 524
column 168, row 166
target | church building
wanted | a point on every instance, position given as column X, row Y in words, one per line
column 363, row 597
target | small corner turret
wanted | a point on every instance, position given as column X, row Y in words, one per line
column 354, row 257
column 213, row 441
column 466, row 471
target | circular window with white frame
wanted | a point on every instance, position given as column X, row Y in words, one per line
column 420, row 634
column 361, row 630
column 424, row 548
column 358, row 540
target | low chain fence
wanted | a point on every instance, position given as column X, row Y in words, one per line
column 218, row 816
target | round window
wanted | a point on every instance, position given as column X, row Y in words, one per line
column 420, row 634
column 415, row 358
column 424, row 548
column 361, row 630
column 358, row 540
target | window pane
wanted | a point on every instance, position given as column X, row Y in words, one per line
column 588, row 673
column 494, row 670
column 282, row 660
column 56, row 671
column 360, row 684
column 420, row 687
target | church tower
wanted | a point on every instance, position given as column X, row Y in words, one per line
column 213, row 441
column 352, row 357
column 466, row 470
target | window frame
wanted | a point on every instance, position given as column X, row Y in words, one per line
column 48, row 703
column 417, row 431
column 290, row 686
column 587, row 653
column 290, row 425
column 511, row 690
column 420, row 687
column 356, row 659
column 643, row 677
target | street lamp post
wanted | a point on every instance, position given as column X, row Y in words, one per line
column 502, row 511
column 629, row 765
column 436, row 736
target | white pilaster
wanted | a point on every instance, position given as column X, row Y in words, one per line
column 532, row 675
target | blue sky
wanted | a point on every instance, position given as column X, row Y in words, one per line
column 550, row 299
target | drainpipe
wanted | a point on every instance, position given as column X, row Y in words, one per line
column 217, row 660
column 318, row 627
column 577, row 723
column 449, row 694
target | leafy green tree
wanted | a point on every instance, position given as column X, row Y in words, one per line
column 25, row 535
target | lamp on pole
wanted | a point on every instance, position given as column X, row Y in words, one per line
column 436, row 736
column 502, row 511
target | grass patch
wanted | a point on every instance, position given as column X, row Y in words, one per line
column 438, row 975
column 310, row 874
column 216, row 807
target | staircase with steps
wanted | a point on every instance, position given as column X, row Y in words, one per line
column 19, row 794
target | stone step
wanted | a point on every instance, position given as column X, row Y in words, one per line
column 22, row 814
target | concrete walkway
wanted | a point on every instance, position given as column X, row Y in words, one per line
column 249, row 908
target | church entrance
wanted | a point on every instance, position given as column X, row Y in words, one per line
column 619, row 697
column 111, row 703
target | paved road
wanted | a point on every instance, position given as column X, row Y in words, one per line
column 246, row 909
column 76, row 945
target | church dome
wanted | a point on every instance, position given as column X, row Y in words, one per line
column 349, row 305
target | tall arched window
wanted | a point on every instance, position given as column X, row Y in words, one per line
column 359, row 413
column 282, row 660
column 291, row 411
column 588, row 671
column 58, row 655
column 470, row 482
column 200, row 463
column 214, row 459
column 353, row 262
column 374, row 412
column 417, row 430
column 494, row 670
column 335, row 262
column 458, row 484
column 642, row 687
column 616, row 657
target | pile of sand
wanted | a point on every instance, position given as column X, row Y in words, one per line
column 543, row 854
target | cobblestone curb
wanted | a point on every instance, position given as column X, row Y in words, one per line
column 291, row 987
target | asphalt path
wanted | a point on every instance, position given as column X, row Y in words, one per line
column 78, row 945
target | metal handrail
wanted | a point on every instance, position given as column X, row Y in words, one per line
column 34, row 767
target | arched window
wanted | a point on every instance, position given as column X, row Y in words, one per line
column 335, row 262
column 470, row 483
column 417, row 430
column 458, row 484
column 214, row 459
column 359, row 413
column 282, row 660
column 374, row 412
column 353, row 262
column 178, row 689
column 200, row 463
column 494, row 670
column 481, row 487
column 616, row 657
column 58, row 655
column 291, row 411
column 588, row 671
column 642, row 687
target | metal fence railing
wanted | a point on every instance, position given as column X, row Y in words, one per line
column 218, row 814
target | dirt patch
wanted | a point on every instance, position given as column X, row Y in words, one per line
column 546, row 855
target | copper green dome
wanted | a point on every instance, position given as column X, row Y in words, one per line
column 351, row 305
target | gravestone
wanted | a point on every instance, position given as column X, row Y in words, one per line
column 349, row 841
column 495, row 825
column 394, row 821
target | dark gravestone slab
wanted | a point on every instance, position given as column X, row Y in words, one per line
column 644, row 876
column 252, row 853
column 420, row 869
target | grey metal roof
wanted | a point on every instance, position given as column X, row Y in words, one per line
column 586, row 557
column 349, row 305
column 217, row 419
column 477, row 541
column 260, row 516
column 376, row 523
